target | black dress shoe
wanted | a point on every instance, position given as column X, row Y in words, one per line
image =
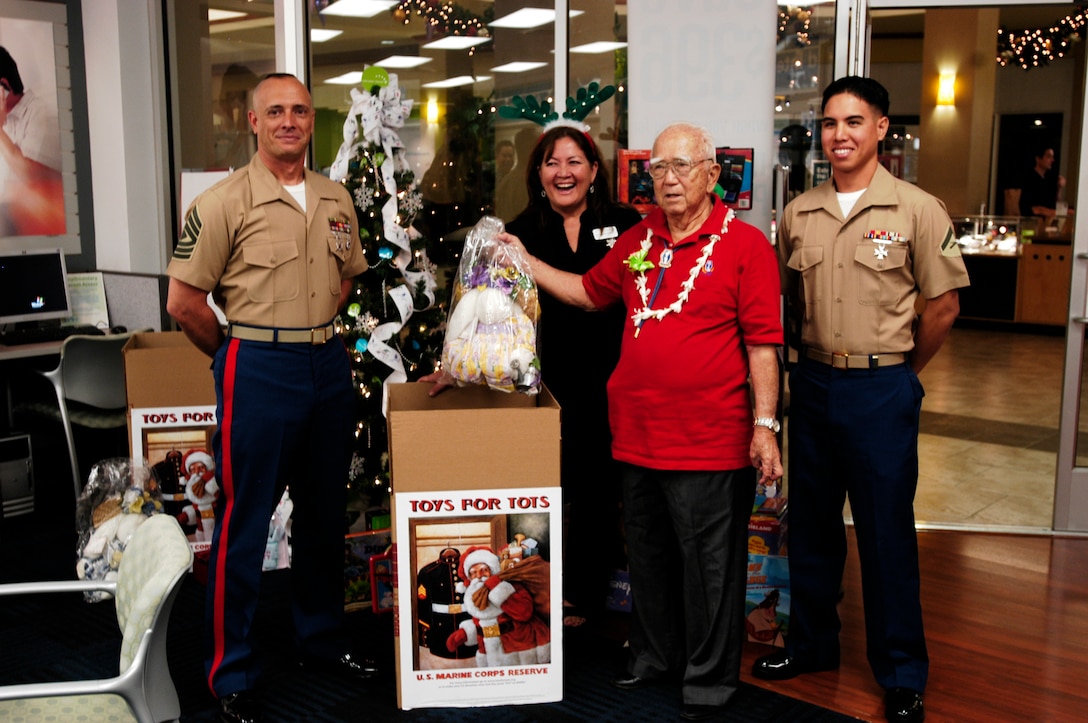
column 347, row 666
column 903, row 705
column 630, row 682
column 240, row 707
column 783, row 666
column 696, row 711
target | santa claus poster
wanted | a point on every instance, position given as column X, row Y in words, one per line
column 176, row 444
column 478, row 593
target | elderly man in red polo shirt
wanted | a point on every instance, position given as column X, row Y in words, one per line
column 700, row 344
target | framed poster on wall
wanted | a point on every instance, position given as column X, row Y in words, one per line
column 38, row 186
column 634, row 184
column 735, row 179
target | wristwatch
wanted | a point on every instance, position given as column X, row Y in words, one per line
column 769, row 422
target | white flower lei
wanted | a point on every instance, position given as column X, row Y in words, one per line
column 646, row 312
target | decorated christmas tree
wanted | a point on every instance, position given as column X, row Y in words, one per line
column 393, row 324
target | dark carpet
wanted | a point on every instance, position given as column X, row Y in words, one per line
column 59, row 637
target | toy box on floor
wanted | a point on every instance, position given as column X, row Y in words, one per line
column 619, row 592
column 767, row 535
column 359, row 549
column 171, row 420
column 171, row 426
column 767, row 527
column 767, row 599
column 477, row 515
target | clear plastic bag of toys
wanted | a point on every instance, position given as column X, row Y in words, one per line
column 491, row 329
column 120, row 495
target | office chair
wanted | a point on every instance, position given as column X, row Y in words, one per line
column 149, row 577
column 89, row 383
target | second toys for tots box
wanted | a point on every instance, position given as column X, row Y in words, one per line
column 476, row 496
column 171, row 400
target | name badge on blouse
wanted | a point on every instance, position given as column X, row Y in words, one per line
column 608, row 234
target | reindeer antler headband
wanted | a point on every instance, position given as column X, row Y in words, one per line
column 578, row 107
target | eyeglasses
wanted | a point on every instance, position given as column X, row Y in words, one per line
column 680, row 166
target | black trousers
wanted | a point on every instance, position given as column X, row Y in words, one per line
column 687, row 538
column 855, row 432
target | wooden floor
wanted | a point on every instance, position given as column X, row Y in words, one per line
column 1006, row 624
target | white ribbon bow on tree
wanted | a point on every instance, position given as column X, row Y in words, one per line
column 374, row 120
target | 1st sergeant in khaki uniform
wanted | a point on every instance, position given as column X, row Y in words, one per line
column 856, row 253
column 277, row 246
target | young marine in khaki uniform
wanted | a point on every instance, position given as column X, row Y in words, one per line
column 856, row 253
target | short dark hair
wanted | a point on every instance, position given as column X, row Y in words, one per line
column 10, row 71
column 866, row 89
column 505, row 142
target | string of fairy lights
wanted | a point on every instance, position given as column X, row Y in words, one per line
column 447, row 17
column 1033, row 48
column 1027, row 48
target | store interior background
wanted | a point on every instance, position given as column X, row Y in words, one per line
column 989, row 442
column 990, row 419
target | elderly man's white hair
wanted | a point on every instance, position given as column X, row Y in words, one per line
column 703, row 140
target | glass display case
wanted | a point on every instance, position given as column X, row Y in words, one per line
column 1019, row 272
column 989, row 235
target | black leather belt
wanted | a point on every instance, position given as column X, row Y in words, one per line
column 317, row 335
column 842, row 360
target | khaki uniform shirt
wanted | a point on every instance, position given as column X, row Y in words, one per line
column 268, row 264
column 856, row 280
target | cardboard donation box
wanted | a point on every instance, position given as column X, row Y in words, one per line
column 477, row 526
column 767, row 599
column 171, row 400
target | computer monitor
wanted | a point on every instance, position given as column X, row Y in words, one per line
column 33, row 286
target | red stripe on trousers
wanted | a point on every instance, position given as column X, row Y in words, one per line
column 226, row 481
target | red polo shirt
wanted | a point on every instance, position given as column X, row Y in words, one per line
column 679, row 397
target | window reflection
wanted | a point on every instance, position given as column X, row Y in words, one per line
column 221, row 53
column 803, row 66
column 459, row 69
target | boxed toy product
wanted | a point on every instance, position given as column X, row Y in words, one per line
column 767, row 599
column 767, row 534
column 359, row 549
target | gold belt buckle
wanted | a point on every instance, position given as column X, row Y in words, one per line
column 324, row 335
column 490, row 631
column 835, row 356
column 453, row 609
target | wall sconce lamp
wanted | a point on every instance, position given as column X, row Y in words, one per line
column 946, row 89
column 432, row 110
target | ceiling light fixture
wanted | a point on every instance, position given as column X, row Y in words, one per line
column 527, row 18
column 457, row 82
column 601, row 46
column 455, row 42
column 358, row 8
column 321, row 35
column 518, row 66
column 216, row 15
column 355, row 77
column 403, row 61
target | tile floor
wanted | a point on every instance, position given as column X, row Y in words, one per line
column 989, row 441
